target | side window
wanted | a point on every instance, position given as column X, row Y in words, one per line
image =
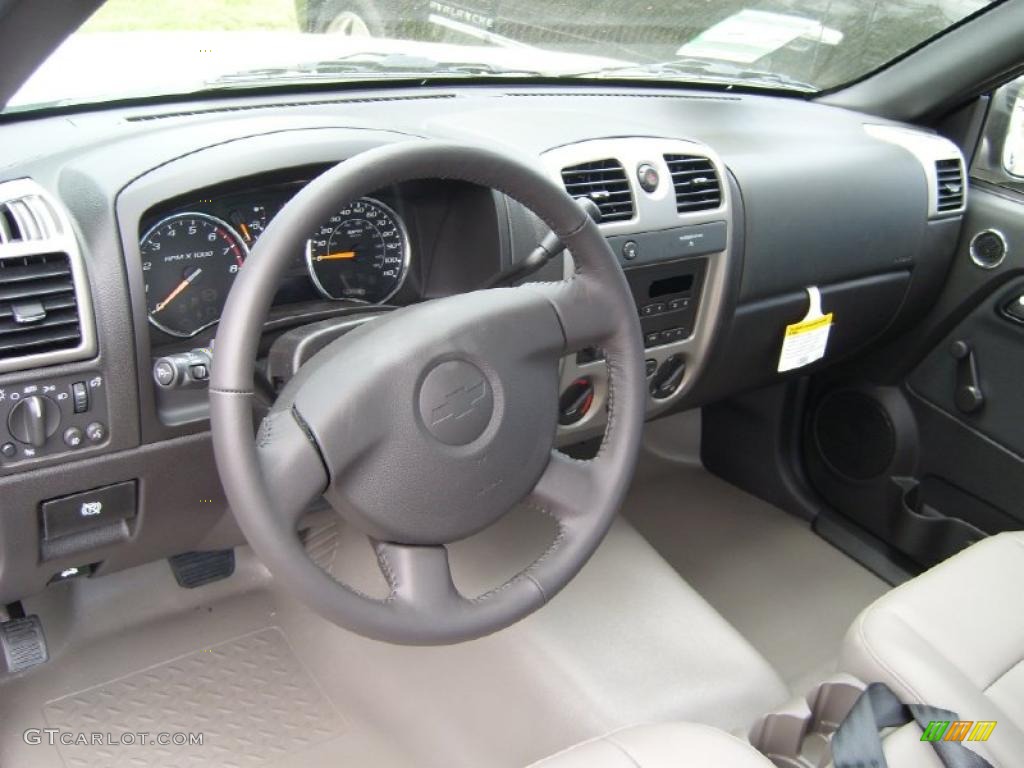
column 1000, row 158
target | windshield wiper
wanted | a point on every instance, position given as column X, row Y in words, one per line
column 372, row 65
column 704, row 70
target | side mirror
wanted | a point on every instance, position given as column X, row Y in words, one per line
column 1013, row 146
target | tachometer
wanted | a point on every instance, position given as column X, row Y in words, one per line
column 189, row 261
column 360, row 253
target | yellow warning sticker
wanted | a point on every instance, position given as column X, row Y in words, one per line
column 806, row 326
column 805, row 342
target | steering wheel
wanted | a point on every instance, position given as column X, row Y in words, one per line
column 426, row 426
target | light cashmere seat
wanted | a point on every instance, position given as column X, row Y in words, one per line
column 665, row 745
column 954, row 638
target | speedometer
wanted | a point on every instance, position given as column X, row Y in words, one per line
column 189, row 261
column 360, row 253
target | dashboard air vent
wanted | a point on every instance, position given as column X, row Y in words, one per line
column 45, row 308
column 695, row 181
column 604, row 182
column 38, row 307
column 950, row 179
column 27, row 218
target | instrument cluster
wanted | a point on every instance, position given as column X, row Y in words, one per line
column 193, row 249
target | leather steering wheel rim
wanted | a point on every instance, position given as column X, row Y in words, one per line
column 508, row 342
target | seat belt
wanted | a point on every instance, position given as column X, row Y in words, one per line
column 857, row 742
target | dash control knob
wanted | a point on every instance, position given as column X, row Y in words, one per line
column 73, row 437
column 96, row 432
column 668, row 377
column 33, row 420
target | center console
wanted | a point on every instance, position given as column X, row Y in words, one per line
column 666, row 215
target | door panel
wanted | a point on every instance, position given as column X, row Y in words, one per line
column 975, row 375
column 922, row 442
column 968, row 391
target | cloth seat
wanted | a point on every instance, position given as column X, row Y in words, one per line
column 953, row 638
column 665, row 745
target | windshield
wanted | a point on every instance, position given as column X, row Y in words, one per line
column 140, row 48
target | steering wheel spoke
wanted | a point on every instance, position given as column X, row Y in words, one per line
column 567, row 489
column 420, row 577
column 579, row 303
column 293, row 472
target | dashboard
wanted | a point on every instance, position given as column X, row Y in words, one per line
column 723, row 210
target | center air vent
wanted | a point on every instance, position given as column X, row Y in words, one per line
column 604, row 182
column 696, row 183
column 45, row 312
column 950, row 191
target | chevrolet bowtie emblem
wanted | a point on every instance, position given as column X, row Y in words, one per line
column 455, row 402
column 459, row 403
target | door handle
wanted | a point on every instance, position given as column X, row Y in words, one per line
column 967, row 396
column 1015, row 309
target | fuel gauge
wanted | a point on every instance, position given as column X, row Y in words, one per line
column 250, row 221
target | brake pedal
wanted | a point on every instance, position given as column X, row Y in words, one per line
column 194, row 569
column 23, row 644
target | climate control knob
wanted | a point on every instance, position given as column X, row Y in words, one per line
column 33, row 420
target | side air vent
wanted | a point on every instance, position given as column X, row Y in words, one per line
column 696, row 183
column 940, row 160
column 950, row 180
column 38, row 308
column 45, row 312
column 604, row 182
column 27, row 218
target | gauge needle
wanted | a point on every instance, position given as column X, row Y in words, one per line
column 338, row 255
column 177, row 290
column 245, row 231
